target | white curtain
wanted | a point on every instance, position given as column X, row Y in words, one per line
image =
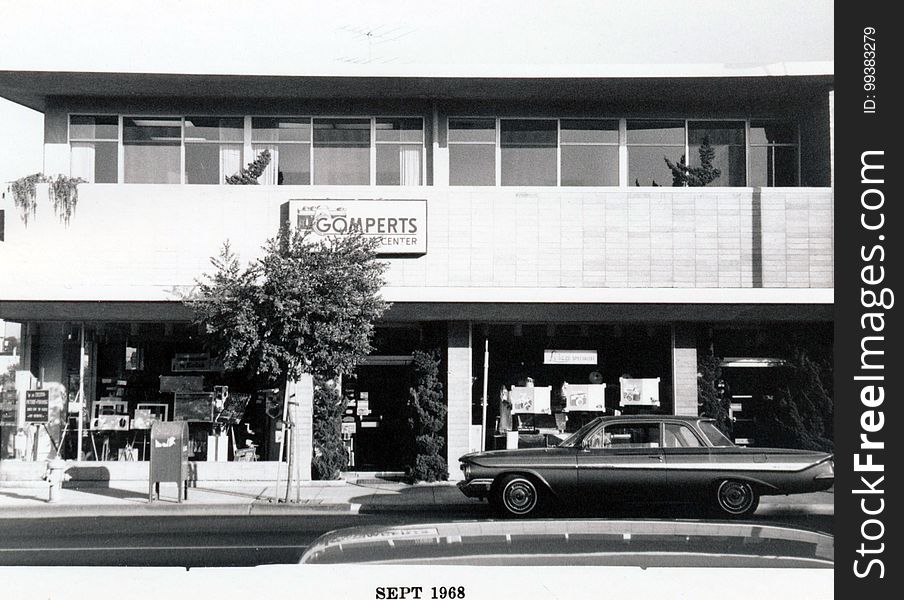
column 81, row 161
column 409, row 166
column 230, row 160
column 270, row 174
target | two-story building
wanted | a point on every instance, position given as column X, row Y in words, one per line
column 531, row 227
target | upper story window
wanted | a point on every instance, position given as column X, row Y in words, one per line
column 533, row 152
column 774, row 158
column 213, row 148
column 472, row 151
column 152, row 149
column 94, row 148
column 529, row 151
column 726, row 138
column 206, row 150
column 399, row 151
column 342, row 151
column 649, row 143
column 289, row 141
column 589, row 152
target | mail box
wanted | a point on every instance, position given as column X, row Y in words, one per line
column 169, row 456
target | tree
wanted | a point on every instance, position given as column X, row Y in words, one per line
column 427, row 420
column 802, row 411
column 249, row 175
column 711, row 399
column 302, row 307
column 683, row 175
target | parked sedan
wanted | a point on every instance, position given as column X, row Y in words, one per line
column 662, row 458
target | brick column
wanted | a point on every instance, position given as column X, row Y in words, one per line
column 301, row 413
column 458, row 394
column 684, row 369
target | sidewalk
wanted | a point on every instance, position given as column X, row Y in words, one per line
column 240, row 498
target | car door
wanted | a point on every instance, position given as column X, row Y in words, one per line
column 622, row 460
column 688, row 460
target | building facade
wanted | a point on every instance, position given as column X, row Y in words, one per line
column 531, row 227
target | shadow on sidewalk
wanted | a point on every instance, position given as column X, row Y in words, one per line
column 96, row 480
column 8, row 494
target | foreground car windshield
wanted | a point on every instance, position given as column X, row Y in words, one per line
column 714, row 434
column 575, row 438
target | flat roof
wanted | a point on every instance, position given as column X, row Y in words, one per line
column 34, row 88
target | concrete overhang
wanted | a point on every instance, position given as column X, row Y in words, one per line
column 611, row 86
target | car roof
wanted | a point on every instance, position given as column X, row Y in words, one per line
column 687, row 418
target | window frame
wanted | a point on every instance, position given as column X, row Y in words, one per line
column 795, row 144
column 242, row 161
column 247, row 142
column 118, row 140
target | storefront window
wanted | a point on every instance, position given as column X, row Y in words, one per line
column 152, row 149
column 213, row 148
column 400, row 146
column 528, row 151
column 342, row 151
column 94, row 144
column 649, row 143
column 289, row 143
column 589, row 152
column 472, row 151
column 727, row 141
column 773, row 154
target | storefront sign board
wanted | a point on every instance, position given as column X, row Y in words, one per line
column 37, row 406
column 399, row 225
column 570, row 357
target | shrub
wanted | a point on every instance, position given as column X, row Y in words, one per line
column 427, row 420
column 330, row 454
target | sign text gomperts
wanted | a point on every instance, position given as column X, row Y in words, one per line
column 400, row 225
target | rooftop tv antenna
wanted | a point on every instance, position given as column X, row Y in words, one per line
column 375, row 36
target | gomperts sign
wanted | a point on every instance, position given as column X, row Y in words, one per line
column 400, row 225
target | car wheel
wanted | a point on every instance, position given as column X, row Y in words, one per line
column 517, row 496
column 736, row 498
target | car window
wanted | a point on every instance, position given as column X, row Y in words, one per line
column 679, row 436
column 715, row 436
column 625, row 435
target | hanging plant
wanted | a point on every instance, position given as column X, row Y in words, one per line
column 63, row 194
column 24, row 191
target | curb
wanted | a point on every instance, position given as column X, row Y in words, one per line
column 50, row 511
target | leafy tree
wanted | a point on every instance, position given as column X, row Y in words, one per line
column 302, row 307
column 711, row 399
column 250, row 174
column 427, row 420
column 684, row 175
column 802, row 411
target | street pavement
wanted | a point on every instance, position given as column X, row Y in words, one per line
column 243, row 498
column 242, row 524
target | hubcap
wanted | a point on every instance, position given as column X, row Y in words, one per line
column 735, row 497
column 520, row 496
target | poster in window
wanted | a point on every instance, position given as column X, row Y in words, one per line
column 535, row 400
column 639, row 392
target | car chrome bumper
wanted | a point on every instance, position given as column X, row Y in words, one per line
column 476, row 488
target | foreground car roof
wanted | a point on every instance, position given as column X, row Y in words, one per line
column 646, row 543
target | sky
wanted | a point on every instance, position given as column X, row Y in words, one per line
column 387, row 37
